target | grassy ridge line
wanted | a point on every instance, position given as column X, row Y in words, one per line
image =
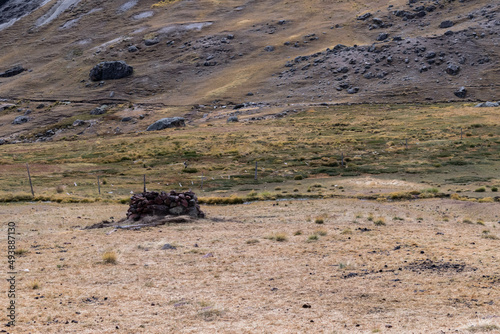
column 307, row 144
column 233, row 200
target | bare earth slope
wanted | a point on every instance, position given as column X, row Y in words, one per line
column 212, row 50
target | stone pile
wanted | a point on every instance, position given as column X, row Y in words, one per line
column 163, row 204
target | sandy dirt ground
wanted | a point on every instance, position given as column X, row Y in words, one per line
column 432, row 268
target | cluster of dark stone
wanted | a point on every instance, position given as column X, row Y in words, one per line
column 163, row 204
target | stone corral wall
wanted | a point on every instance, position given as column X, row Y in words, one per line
column 162, row 204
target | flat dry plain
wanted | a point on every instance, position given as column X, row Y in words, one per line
column 264, row 267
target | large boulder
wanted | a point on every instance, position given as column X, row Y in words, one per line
column 446, row 24
column 171, row 122
column 461, row 92
column 108, row 70
column 11, row 72
column 453, row 69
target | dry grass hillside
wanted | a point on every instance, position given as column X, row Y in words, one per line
column 214, row 53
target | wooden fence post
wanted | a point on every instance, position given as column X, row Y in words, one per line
column 29, row 178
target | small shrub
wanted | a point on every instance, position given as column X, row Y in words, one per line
column 370, row 217
column 398, row 218
column 467, row 221
column 252, row 194
column 277, row 237
column 277, row 188
column 312, row 237
column 35, row 285
column 480, row 190
column 60, row 189
column 190, row 170
column 319, row 220
column 379, row 222
column 252, row 242
column 281, row 237
column 346, row 231
column 490, row 236
column 295, row 190
column 109, row 257
column 298, row 177
column 20, row 251
column 299, row 232
column 494, row 189
column 321, row 232
column 480, row 222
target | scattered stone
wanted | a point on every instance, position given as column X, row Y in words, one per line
column 382, row 36
column 133, row 48
column 2, row 141
column 27, row 112
column 208, row 255
column 40, row 106
column 232, row 119
column 20, row 120
column 109, row 70
column 149, row 42
column 453, row 69
column 306, row 305
column 168, row 246
column 269, row 48
column 171, row 122
column 78, row 122
column 12, row 72
column 353, row 90
column 126, row 119
column 98, row 110
column 461, row 92
column 446, row 24
column 364, row 16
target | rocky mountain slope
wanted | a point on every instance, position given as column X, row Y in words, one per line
column 223, row 53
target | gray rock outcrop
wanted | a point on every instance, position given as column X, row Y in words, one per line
column 487, row 104
column 171, row 122
column 12, row 72
column 109, row 70
column 20, row 120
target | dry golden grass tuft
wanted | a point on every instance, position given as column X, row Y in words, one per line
column 109, row 257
